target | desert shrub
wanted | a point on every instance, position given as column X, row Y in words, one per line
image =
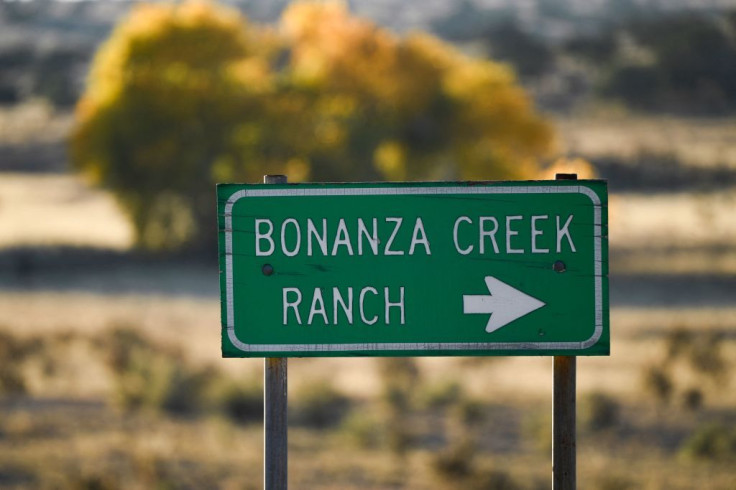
column 614, row 482
column 318, row 404
column 599, row 411
column 701, row 352
column 362, row 430
column 456, row 466
column 185, row 95
column 678, row 342
column 657, row 381
column 242, row 402
column 494, row 479
column 129, row 469
column 711, row 442
column 705, row 357
column 537, row 428
column 454, row 462
column 13, row 353
column 149, row 376
column 141, row 372
column 440, row 395
column 469, row 413
column 188, row 390
column 692, row 399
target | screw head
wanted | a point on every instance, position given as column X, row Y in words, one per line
column 559, row 266
column 267, row 269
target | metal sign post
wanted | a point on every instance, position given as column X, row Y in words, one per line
column 564, row 436
column 275, row 434
column 564, row 442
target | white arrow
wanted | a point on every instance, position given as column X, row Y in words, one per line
column 505, row 304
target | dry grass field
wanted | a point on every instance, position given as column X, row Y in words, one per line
column 699, row 142
column 111, row 376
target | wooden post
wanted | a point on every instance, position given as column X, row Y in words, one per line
column 564, row 440
column 275, row 439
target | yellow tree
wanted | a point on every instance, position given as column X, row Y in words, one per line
column 166, row 113
column 183, row 96
column 409, row 108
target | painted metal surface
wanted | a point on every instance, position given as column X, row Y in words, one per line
column 504, row 268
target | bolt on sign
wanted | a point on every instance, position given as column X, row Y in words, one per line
column 414, row 269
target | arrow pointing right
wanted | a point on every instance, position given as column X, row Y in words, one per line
column 505, row 304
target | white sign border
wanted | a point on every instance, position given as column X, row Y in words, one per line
column 367, row 348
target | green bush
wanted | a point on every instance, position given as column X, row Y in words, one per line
column 599, row 411
column 714, row 442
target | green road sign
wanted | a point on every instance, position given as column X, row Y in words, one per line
column 414, row 269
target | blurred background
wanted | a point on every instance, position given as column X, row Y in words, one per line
column 117, row 118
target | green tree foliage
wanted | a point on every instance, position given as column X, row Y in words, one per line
column 183, row 96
